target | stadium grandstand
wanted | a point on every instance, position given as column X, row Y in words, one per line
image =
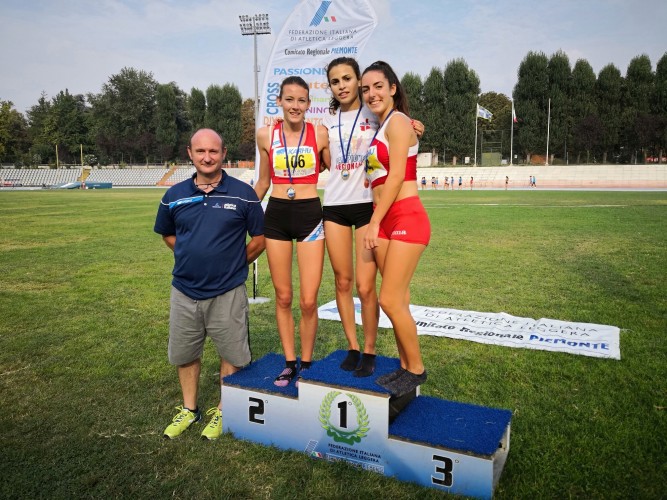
column 38, row 177
column 119, row 177
column 127, row 177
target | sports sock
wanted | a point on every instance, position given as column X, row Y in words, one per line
column 366, row 367
column 305, row 365
column 351, row 360
column 286, row 375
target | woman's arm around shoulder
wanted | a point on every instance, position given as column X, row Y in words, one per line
column 418, row 128
column 264, row 178
column 323, row 147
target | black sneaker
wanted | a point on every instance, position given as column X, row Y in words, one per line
column 405, row 383
column 384, row 379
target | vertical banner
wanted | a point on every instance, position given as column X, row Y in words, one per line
column 315, row 33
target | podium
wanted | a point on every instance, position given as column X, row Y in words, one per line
column 455, row 447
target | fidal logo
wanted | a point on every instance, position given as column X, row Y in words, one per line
column 344, row 431
column 320, row 15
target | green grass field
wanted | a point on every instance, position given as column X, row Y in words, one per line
column 87, row 388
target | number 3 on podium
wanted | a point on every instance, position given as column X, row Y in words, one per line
column 444, row 477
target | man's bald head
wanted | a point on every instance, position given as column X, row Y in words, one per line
column 208, row 133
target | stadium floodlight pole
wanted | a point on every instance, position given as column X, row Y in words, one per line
column 546, row 162
column 257, row 24
column 512, row 134
column 476, row 119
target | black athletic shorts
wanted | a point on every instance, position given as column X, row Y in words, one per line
column 299, row 220
column 357, row 214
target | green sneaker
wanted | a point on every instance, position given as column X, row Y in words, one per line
column 183, row 419
column 213, row 429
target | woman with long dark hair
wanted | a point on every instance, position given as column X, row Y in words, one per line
column 348, row 204
column 399, row 230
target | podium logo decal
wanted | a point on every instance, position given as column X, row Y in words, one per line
column 339, row 432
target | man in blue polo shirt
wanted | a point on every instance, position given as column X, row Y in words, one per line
column 204, row 221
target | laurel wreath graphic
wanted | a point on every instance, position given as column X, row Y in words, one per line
column 339, row 436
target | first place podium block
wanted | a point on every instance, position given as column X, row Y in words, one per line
column 332, row 415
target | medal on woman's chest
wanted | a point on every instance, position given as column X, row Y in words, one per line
column 291, row 193
column 345, row 150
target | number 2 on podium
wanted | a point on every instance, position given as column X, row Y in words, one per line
column 256, row 410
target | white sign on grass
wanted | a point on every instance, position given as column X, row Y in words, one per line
column 586, row 339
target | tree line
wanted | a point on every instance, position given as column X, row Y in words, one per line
column 608, row 118
column 134, row 119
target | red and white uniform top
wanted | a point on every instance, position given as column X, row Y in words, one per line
column 304, row 169
column 378, row 157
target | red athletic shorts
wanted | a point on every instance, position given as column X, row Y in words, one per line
column 407, row 221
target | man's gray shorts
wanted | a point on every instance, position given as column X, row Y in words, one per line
column 223, row 318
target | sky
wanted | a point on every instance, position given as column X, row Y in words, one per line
column 52, row 45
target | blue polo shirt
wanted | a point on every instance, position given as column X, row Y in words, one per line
column 210, row 253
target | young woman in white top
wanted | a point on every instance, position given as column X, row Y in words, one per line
column 348, row 203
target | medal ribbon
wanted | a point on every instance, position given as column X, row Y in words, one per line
column 296, row 157
column 376, row 134
column 346, row 151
